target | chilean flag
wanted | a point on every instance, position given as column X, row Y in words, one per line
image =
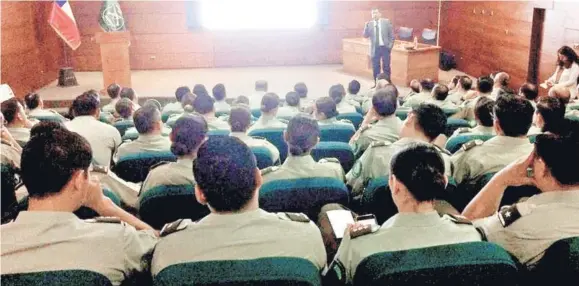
column 63, row 22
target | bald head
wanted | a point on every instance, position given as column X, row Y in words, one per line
column 502, row 79
column 561, row 93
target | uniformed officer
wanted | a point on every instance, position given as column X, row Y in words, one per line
column 439, row 98
column 49, row 229
column 35, row 106
column 367, row 103
column 483, row 113
column 292, row 106
column 228, row 182
column 338, row 93
column 549, row 115
column 387, row 126
column 302, row 135
column 239, row 120
column 220, row 94
column 463, row 85
column 423, row 125
column 305, row 103
column 124, row 109
column 416, row 180
column 114, row 92
column 189, row 132
column 484, row 88
column 513, row 116
column 325, row 111
column 204, row 105
column 187, row 100
column 426, row 86
column 353, row 97
column 10, row 151
column 269, row 107
column 16, row 121
column 149, row 125
column 528, row 228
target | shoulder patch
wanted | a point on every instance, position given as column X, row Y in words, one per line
column 463, row 130
column 172, row 227
column 471, row 144
column 329, row 160
column 365, row 128
column 159, row 164
column 258, row 138
column 508, row 215
column 298, row 217
column 380, row 144
column 458, row 219
column 269, row 170
column 104, row 219
column 100, row 169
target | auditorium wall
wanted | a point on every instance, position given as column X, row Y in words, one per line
column 488, row 36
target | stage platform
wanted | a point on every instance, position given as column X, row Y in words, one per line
column 161, row 84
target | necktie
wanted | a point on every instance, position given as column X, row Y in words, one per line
column 377, row 24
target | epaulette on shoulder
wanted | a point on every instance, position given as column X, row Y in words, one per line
column 283, row 120
column 442, row 150
column 462, row 130
column 365, row 128
column 100, row 169
column 471, row 144
column 159, row 164
column 329, row 160
column 105, row 219
column 458, row 219
column 508, row 215
column 297, row 217
column 268, row 170
column 358, row 230
column 173, row 227
column 380, row 144
column 258, row 138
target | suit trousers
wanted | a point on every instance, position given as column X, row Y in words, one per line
column 381, row 53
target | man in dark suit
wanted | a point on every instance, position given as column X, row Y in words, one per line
column 381, row 35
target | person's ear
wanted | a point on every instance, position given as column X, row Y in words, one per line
column 200, row 196
column 445, row 181
column 258, row 179
column 285, row 136
column 393, row 184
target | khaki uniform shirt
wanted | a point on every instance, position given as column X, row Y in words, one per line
column 375, row 163
column 345, row 107
column 487, row 157
column 172, row 107
column 257, row 142
column 171, row 173
column 534, row 130
column 536, row 224
column 354, row 98
column 44, row 112
column 335, row 121
column 145, row 143
column 49, row 241
column 214, row 123
column 444, row 104
column 404, row 231
column 9, row 155
column 222, row 106
column 240, row 236
column 467, row 108
column 455, row 97
column 111, row 106
column 266, row 121
column 477, row 130
column 103, row 138
column 416, row 100
column 299, row 167
column 20, row 134
column 288, row 111
column 385, row 129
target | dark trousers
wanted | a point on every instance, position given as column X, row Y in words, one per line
column 381, row 53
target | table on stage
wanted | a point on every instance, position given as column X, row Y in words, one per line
column 406, row 65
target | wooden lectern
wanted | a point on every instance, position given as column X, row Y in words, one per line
column 115, row 57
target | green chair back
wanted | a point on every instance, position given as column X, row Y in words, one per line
column 135, row 167
column 336, row 133
column 355, row 118
column 263, row 157
column 51, row 118
column 123, row 125
column 106, row 117
column 256, row 112
column 340, row 150
column 559, row 266
column 452, row 124
column 402, row 114
column 275, row 137
column 56, row 278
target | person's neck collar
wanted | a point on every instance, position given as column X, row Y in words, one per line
column 250, row 207
column 53, row 203
column 413, row 206
column 16, row 124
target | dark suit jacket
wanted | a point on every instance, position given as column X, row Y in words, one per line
column 385, row 29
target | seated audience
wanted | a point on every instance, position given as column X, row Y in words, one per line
column 484, row 88
column 549, row 116
column 439, row 97
column 426, row 86
column 10, row 150
column 325, row 111
column 186, row 137
column 416, row 180
column 240, row 120
column 353, row 97
column 35, row 106
column 228, row 181
column 367, row 104
column 124, row 109
column 204, row 105
column 187, row 101
column 483, row 114
column 176, row 107
column 154, row 103
column 337, row 93
column 302, row 135
column 526, row 229
column 501, row 82
column 381, row 77
column 16, row 121
column 200, row 90
column 150, row 126
column 291, row 107
column 513, row 117
column 463, row 86
column 219, row 94
column 414, row 89
column 260, row 91
column 103, row 138
column 530, row 92
column 307, row 105
column 114, row 92
column 386, row 127
column 453, row 84
column 242, row 99
column 269, row 107
column 55, row 171
column 423, row 125
column 127, row 92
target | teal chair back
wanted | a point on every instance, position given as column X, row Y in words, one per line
column 135, row 167
column 123, row 125
column 275, row 137
column 452, row 124
column 218, row 133
column 263, row 157
column 56, row 278
column 306, row 195
column 559, row 265
column 106, row 117
column 165, row 116
column 572, row 117
column 167, row 203
column 532, row 138
column 221, row 113
column 450, row 111
column 282, row 271
column 464, row 264
column 402, row 114
column 256, row 112
column 340, row 150
column 355, row 118
column 377, row 200
column 454, row 143
column 51, row 118
column 336, row 133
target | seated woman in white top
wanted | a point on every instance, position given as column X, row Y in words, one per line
column 269, row 108
column 35, row 106
column 338, row 93
column 239, row 120
column 567, row 71
column 292, row 107
column 325, row 112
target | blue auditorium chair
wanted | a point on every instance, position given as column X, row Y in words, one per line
column 464, row 264
column 355, row 118
column 450, row 111
column 256, row 112
column 453, row 123
column 263, row 156
column 340, row 150
column 221, row 113
column 106, row 117
column 402, row 113
column 306, row 195
column 429, row 37
column 56, row 278
column 282, row 271
column 405, row 33
column 455, row 143
column 167, row 203
column 336, row 133
column 218, row 133
column 275, row 137
column 165, row 115
column 559, row 265
column 135, row 167
column 123, row 125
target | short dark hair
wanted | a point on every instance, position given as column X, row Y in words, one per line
column 415, row 85
column 46, row 127
column 32, row 100
column 354, row 87
column 569, row 53
column 420, row 168
column 327, row 106
column 269, row 102
column 128, row 92
column 154, row 103
column 50, row 159
column 85, row 104
column 124, row 108
column 219, row 92
column 557, row 151
column 455, row 79
column 483, row 111
column 465, row 82
column 113, row 90
column 200, row 90
column 226, row 172
column 337, row 92
column 302, row 89
column 383, row 76
column 203, row 104
column 239, row 118
column 430, row 119
column 515, row 115
column 440, row 91
column 427, row 84
column 552, row 110
column 145, row 119
column 187, row 134
column 242, row 99
column 10, row 109
column 261, row 85
column 384, row 100
column 292, row 98
column 181, row 91
column 485, row 84
column 302, row 134
column 530, row 91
